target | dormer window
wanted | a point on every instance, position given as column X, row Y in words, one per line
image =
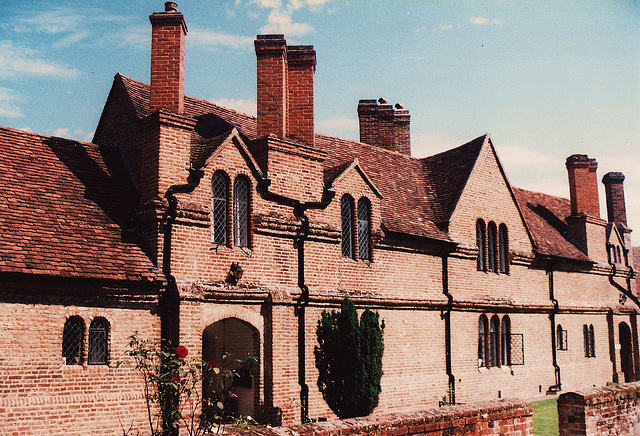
column 364, row 226
column 220, row 190
column 241, row 212
column 346, row 213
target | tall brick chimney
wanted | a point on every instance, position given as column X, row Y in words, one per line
column 384, row 125
column 285, row 89
column 586, row 227
column 167, row 59
column 614, row 190
column 583, row 185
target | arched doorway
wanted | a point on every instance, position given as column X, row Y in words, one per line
column 626, row 352
column 235, row 339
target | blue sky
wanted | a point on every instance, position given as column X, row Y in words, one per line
column 547, row 79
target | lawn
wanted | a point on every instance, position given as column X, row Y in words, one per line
column 545, row 417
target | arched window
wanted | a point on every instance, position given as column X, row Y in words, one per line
column 619, row 254
column 506, row 340
column 481, row 244
column 494, row 341
column 220, row 190
column 561, row 338
column 72, row 340
column 241, row 212
column 589, row 341
column 492, row 251
column 364, row 247
column 503, row 248
column 346, row 213
column 483, row 328
column 99, row 341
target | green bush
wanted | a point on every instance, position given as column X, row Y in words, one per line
column 349, row 360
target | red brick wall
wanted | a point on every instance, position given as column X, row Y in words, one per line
column 505, row 418
column 610, row 410
column 39, row 394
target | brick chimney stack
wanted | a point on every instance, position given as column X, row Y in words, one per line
column 614, row 190
column 167, row 59
column 583, row 185
column 384, row 125
column 285, row 89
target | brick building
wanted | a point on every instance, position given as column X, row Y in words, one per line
column 490, row 289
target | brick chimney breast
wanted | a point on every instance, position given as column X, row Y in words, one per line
column 167, row 59
column 583, row 185
column 614, row 190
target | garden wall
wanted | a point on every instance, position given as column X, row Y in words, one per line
column 498, row 417
column 610, row 410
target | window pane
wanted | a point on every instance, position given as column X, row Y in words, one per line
column 504, row 249
column 98, row 341
column 480, row 242
column 347, row 226
column 219, row 188
column 72, row 337
column 363, row 230
column 491, row 247
column 506, row 340
column 241, row 213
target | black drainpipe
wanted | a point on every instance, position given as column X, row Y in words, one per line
column 552, row 318
column 170, row 299
column 299, row 209
column 447, row 329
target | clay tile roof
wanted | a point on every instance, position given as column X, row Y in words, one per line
column 545, row 218
column 405, row 204
column 447, row 174
column 63, row 212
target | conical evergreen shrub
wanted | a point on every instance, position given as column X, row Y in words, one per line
column 349, row 360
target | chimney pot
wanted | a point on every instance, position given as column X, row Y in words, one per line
column 383, row 100
column 399, row 106
column 171, row 7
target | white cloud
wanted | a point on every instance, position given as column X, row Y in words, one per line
column 17, row 61
column 334, row 126
column 246, row 106
column 274, row 4
column 61, row 132
column 281, row 22
column 482, row 21
column 211, row 39
column 8, row 100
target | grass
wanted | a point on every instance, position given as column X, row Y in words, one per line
column 545, row 417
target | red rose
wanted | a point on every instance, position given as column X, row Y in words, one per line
column 175, row 379
column 212, row 364
column 182, row 351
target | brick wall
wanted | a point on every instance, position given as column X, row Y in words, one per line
column 611, row 410
column 505, row 418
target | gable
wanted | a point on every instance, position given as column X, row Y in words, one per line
column 487, row 195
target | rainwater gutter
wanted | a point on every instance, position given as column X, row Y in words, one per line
column 446, row 315
column 299, row 211
column 170, row 299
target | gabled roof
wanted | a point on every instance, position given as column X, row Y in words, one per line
column 545, row 217
column 63, row 212
column 335, row 175
column 447, row 174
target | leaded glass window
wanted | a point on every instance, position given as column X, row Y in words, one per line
column 220, row 190
column 72, row 339
column 346, row 211
column 481, row 244
column 491, row 247
column 241, row 212
column 503, row 241
column 99, row 342
column 364, row 252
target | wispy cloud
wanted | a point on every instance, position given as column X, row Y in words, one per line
column 18, row 61
column 212, row 39
column 482, row 21
column 429, row 144
column 281, row 22
column 69, row 25
column 8, row 106
column 246, row 106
